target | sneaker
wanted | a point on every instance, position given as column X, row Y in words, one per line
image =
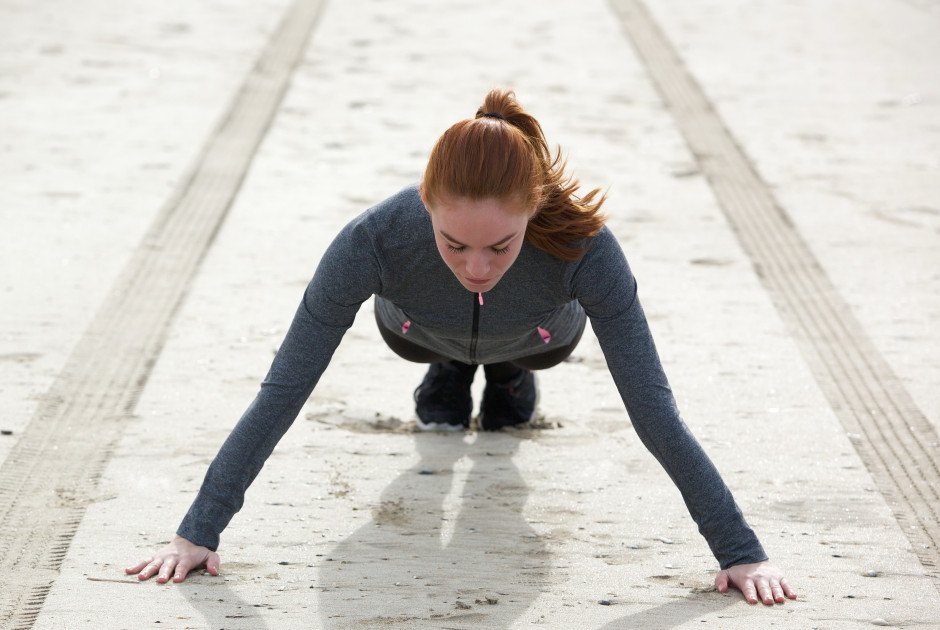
column 509, row 404
column 442, row 400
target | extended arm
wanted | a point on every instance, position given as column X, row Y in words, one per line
column 607, row 289
column 348, row 274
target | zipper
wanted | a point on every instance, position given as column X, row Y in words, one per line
column 475, row 330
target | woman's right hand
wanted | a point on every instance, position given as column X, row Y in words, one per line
column 178, row 558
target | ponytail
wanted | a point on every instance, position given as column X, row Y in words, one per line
column 503, row 154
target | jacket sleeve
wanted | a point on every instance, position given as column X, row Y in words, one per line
column 607, row 290
column 348, row 274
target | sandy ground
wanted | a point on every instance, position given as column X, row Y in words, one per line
column 358, row 521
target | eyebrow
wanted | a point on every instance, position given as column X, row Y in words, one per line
column 502, row 241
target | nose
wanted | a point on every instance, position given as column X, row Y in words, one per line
column 478, row 265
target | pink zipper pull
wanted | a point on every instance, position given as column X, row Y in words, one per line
column 481, row 298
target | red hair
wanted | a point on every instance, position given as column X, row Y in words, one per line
column 503, row 154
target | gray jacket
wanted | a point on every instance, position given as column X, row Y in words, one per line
column 389, row 251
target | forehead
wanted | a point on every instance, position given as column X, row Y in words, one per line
column 480, row 221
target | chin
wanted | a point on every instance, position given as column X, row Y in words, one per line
column 479, row 288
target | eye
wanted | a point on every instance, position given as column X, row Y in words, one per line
column 504, row 250
column 456, row 250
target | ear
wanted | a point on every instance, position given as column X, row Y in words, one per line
column 424, row 198
column 534, row 210
column 535, row 206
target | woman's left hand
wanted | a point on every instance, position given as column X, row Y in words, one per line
column 760, row 579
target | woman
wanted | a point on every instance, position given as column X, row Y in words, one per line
column 520, row 263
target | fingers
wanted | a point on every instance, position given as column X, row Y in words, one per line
column 182, row 570
column 137, row 567
column 778, row 591
column 789, row 592
column 721, row 581
column 747, row 586
column 764, row 591
column 749, row 589
column 169, row 563
column 770, row 591
column 150, row 569
column 213, row 562
column 175, row 561
column 759, row 581
column 161, row 566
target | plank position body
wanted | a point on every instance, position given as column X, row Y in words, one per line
column 493, row 260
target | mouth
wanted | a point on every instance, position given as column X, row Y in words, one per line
column 477, row 281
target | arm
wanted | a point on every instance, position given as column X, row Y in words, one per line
column 608, row 292
column 605, row 286
column 348, row 274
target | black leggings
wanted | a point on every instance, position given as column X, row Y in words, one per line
column 417, row 354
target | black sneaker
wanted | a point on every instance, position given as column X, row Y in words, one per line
column 442, row 400
column 509, row 404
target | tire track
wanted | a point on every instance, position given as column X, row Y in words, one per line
column 892, row 436
column 52, row 473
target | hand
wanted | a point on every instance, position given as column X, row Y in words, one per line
column 760, row 578
column 178, row 558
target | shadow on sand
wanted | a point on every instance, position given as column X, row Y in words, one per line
column 446, row 546
column 674, row 613
column 220, row 605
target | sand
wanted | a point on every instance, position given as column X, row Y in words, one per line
column 358, row 520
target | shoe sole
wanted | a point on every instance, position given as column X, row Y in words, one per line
column 439, row 426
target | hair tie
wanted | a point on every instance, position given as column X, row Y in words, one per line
column 494, row 115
